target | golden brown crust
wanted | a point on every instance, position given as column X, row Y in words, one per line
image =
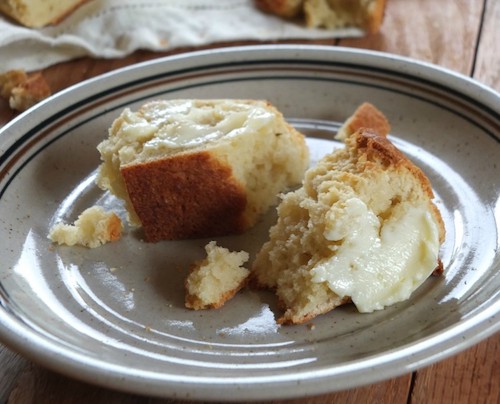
column 439, row 270
column 283, row 8
column 195, row 303
column 374, row 21
column 186, row 196
column 368, row 18
column 114, row 228
column 289, row 318
column 367, row 116
column 379, row 149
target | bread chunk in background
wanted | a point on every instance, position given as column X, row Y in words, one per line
column 367, row 15
column 38, row 13
column 21, row 90
column 200, row 168
column 215, row 279
column 362, row 228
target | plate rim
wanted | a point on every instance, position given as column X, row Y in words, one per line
column 18, row 336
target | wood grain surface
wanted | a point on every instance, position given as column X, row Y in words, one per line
column 460, row 35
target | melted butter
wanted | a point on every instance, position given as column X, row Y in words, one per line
column 185, row 124
column 379, row 264
column 134, row 128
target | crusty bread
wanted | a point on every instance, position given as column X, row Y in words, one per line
column 362, row 228
column 38, row 13
column 365, row 14
column 23, row 90
column 200, row 168
column 215, row 279
column 331, row 14
column 365, row 116
column 9, row 80
column 283, row 8
column 93, row 228
column 29, row 93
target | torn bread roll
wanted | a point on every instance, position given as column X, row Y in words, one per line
column 362, row 228
column 200, row 168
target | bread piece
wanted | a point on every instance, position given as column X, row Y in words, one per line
column 200, row 168
column 38, row 13
column 330, row 14
column 23, row 91
column 29, row 93
column 365, row 116
column 362, row 228
column 215, row 279
column 93, row 228
column 283, row 8
column 365, row 14
column 9, row 80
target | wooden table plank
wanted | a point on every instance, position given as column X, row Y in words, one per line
column 487, row 68
column 11, row 367
column 422, row 30
column 471, row 377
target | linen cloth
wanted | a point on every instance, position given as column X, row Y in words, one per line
column 116, row 28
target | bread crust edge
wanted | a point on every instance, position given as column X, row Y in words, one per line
column 191, row 195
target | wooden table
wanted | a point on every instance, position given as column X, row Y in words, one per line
column 462, row 35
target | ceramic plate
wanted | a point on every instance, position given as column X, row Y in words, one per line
column 115, row 315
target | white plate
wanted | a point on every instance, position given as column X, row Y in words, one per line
column 114, row 315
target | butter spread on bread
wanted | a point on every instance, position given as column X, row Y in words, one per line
column 200, row 168
column 362, row 228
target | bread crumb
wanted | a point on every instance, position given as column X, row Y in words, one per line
column 22, row 90
column 93, row 228
column 215, row 279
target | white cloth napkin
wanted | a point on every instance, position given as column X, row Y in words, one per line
column 115, row 28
